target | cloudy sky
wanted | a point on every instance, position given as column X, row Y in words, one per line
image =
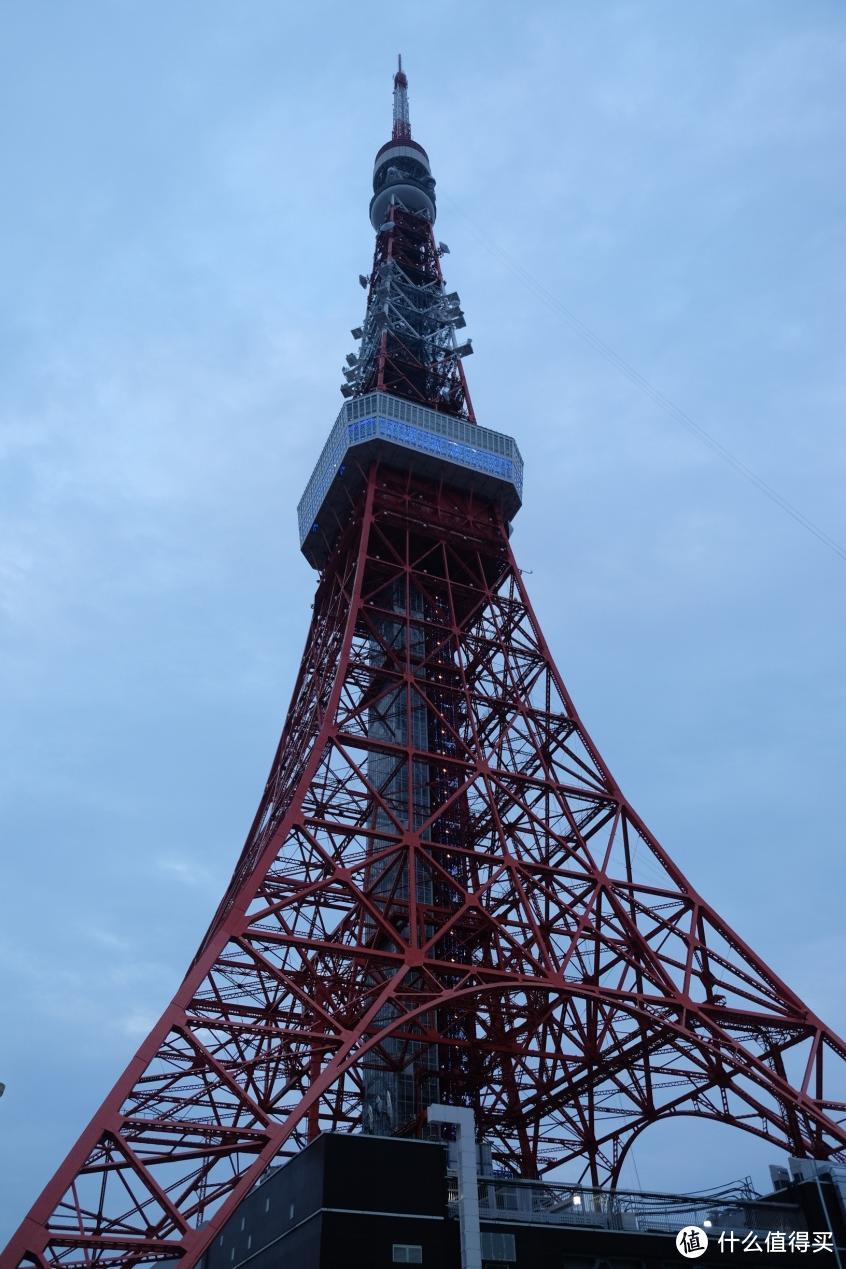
column 183, row 221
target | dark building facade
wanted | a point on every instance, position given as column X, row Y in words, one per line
column 365, row 1202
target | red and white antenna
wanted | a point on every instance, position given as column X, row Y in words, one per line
column 402, row 126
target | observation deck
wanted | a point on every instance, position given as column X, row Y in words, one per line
column 382, row 427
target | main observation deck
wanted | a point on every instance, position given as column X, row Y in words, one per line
column 382, row 427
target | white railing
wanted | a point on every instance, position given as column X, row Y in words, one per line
column 548, row 1203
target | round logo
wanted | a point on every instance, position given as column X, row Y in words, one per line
column 691, row 1242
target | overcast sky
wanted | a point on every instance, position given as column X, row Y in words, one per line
column 183, row 221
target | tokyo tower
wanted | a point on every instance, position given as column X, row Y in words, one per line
column 442, row 897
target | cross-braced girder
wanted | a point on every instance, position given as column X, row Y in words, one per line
column 444, row 893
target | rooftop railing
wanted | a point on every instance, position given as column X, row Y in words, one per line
column 549, row 1203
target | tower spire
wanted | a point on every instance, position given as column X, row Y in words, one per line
column 402, row 126
column 408, row 337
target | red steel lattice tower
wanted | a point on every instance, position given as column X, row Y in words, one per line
column 442, row 896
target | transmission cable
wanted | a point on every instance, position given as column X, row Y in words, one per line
column 634, row 376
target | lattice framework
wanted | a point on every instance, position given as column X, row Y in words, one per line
column 503, row 924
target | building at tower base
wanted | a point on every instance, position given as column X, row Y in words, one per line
column 369, row 1202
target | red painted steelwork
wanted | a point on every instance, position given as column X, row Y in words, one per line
column 480, row 892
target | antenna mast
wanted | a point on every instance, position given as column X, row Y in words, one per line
column 402, row 126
